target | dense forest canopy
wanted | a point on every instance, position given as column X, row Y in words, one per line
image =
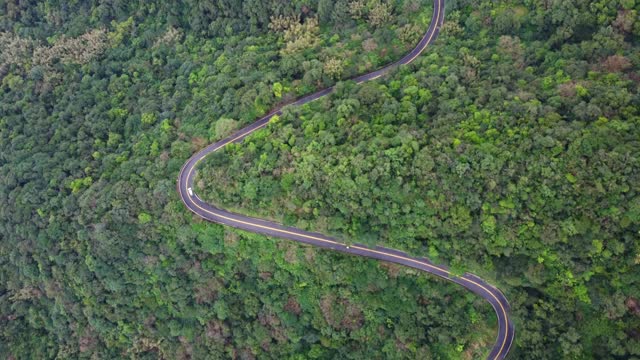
column 505, row 151
column 510, row 148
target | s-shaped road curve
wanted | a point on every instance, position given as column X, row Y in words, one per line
column 208, row 212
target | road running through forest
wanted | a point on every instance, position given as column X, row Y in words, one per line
column 506, row 330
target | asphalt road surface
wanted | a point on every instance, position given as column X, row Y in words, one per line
column 498, row 301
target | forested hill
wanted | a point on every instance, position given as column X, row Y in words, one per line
column 100, row 108
column 512, row 144
column 510, row 150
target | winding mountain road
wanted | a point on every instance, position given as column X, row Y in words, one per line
column 498, row 301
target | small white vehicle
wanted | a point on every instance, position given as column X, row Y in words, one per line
column 190, row 191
